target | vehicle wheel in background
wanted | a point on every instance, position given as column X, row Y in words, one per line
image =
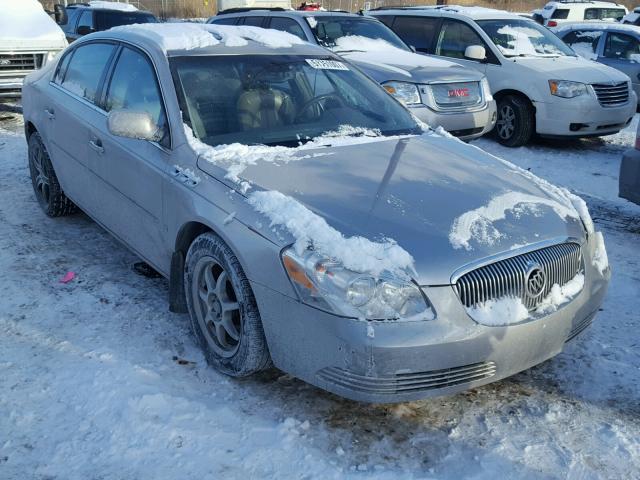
column 224, row 314
column 516, row 121
column 45, row 183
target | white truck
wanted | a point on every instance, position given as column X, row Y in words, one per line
column 29, row 38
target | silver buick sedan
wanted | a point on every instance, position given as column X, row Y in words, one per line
column 304, row 218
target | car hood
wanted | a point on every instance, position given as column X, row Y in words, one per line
column 26, row 26
column 412, row 190
column 573, row 68
column 398, row 65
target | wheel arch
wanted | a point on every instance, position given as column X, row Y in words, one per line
column 499, row 95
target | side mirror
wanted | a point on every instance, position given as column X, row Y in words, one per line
column 130, row 124
column 475, row 52
column 60, row 14
column 85, row 30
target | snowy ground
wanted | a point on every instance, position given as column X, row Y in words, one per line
column 99, row 381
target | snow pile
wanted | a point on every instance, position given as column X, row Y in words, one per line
column 479, row 225
column 190, row 36
column 25, row 23
column 124, row 7
column 312, row 231
column 600, row 257
column 504, row 311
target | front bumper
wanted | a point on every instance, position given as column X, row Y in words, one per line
column 465, row 125
column 630, row 176
column 582, row 117
column 386, row 362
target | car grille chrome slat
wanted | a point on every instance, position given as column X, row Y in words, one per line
column 408, row 382
column 507, row 278
column 457, row 95
column 20, row 62
column 611, row 95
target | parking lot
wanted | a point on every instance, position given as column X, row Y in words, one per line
column 97, row 376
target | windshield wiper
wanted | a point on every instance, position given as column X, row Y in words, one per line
column 346, row 51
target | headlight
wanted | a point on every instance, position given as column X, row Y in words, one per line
column 50, row 56
column 407, row 93
column 486, row 90
column 566, row 89
column 327, row 285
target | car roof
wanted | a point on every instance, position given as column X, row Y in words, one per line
column 617, row 27
column 474, row 13
column 289, row 13
column 192, row 39
column 587, row 3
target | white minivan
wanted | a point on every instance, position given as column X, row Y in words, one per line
column 29, row 38
column 540, row 84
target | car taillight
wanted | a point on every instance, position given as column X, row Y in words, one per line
column 552, row 23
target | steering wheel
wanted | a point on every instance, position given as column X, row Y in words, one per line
column 318, row 101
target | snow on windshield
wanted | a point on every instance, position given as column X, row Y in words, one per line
column 189, row 36
column 585, row 44
column 125, row 7
column 479, row 224
column 526, row 41
column 308, row 229
column 26, row 20
column 357, row 42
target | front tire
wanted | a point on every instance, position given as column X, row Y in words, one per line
column 224, row 314
column 516, row 121
column 45, row 183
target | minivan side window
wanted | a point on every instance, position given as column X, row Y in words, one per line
column 560, row 14
column 288, row 25
column 614, row 14
column 134, row 87
column 621, row 46
column 85, row 69
column 253, row 21
column 225, row 21
column 454, row 39
column 417, row 32
column 86, row 20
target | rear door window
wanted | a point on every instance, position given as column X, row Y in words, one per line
column 288, row 25
column 134, row 87
column 225, row 21
column 86, row 21
column 621, row 46
column 418, row 32
column 86, row 69
column 253, row 21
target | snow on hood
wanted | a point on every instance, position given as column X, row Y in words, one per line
column 190, row 36
column 124, row 7
column 309, row 230
column 24, row 24
column 575, row 68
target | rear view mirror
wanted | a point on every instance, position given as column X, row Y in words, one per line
column 85, row 30
column 60, row 14
column 130, row 124
column 475, row 52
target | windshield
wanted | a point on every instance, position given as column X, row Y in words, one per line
column 524, row 38
column 327, row 29
column 280, row 100
column 109, row 19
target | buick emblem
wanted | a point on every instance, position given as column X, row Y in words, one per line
column 536, row 281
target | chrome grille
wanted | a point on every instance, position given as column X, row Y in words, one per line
column 459, row 95
column 408, row 382
column 20, row 62
column 612, row 95
column 508, row 278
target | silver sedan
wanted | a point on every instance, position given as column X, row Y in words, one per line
column 302, row 216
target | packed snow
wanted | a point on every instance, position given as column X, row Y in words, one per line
column 99, row 380
column 191, row 36
column 500, row 312
column 600, row 258
column 312, row 231
column 561, row 294
column 479, row 225
column 122, row 6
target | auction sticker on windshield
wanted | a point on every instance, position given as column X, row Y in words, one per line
column 326, row 64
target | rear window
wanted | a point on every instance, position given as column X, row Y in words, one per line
column 560, row 14
column 106, row 19
column 611, row 14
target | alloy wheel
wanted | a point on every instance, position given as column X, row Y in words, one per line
column 506, row 123
column 39, row 175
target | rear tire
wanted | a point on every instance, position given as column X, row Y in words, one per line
column 224, row 314
column 45, row 183
column 516, row 121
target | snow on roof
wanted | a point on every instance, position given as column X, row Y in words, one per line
column 125, row 7
column 25, row 21
column 189, row 36
column 471, row 12
column 597, row 26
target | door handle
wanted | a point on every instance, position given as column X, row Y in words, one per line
column 49, row 113
column 97, row 146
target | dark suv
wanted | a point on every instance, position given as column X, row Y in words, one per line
column 82, row 19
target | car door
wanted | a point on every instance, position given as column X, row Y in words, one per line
column 453, row 39
column 418, row 32
column 72, row 105
column 128, row 174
